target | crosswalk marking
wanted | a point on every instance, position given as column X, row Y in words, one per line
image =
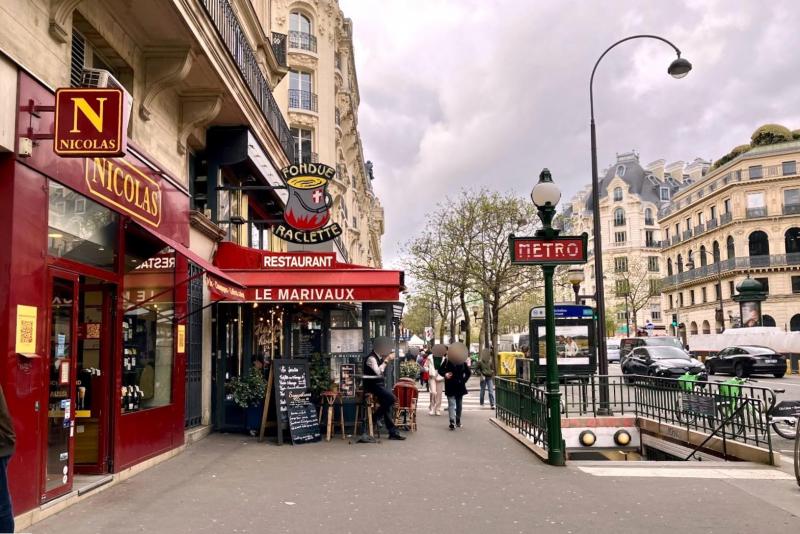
column 471, row 403
column 687, row 472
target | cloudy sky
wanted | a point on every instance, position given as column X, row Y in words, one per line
column 484, row 93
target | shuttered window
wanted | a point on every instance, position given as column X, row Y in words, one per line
column 78, row 59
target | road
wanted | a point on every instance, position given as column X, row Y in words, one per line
column 789, row 383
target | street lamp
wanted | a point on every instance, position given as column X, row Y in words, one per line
column 575, row 277
column 545, row 196
column 677, row 69
column 720, row 313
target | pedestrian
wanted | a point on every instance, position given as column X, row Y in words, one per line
column 421, row 362
column 7, row 442
column 374, row 367
column 435, row 386
column 486, row 369
column 456, row 373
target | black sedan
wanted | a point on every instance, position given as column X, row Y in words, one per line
column 668, row 362
column 746, row 360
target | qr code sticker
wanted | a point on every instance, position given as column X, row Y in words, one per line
column 26, row 332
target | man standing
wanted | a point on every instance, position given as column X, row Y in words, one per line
column 7, row 442
column 374, row 367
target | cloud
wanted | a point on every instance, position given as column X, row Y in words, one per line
column 478, row 93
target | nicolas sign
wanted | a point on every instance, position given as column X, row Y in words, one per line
column 89, row 122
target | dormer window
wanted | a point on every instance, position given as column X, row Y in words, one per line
column 620, row 170
column 617, row 194
column 664, row 194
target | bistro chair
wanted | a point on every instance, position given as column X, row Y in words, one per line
column 329, row 401
column 405, row 413
column 365, row 406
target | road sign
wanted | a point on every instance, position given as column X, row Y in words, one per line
column 565, row 311
column 561, row 250
column 650, row 326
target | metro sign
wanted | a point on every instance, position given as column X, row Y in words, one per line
column 89, row 123
column 560, row 250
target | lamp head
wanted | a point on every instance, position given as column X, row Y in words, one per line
column 545, row 193
column 575, row 276
column 679, row 68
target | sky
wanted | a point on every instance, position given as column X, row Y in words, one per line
column 485, row 93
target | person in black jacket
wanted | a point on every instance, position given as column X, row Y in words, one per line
column 456, row 373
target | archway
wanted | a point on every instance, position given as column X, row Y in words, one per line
column 706, row 327
column 669, row 266
column 731, row 248
column 715, row 252
column 703, row 256
column 794, row 324
column 680, row 263
column 792, row 241
column 768, row 320
column 693, row 328
column 758, row 243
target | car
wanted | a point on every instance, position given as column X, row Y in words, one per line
column 612, row 350
column 746, row 360
column 664, row 361
column 626, row 345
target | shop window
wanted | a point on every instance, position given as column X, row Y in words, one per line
column 80, row 229
column 148, row 302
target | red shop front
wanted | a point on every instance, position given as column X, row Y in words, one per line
column 93, row 293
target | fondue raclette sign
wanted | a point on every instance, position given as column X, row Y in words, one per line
column 89, row 122
column 307, row 213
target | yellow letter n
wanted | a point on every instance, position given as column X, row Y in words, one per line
column 95, row 118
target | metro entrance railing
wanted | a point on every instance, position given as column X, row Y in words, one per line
column 733, row 412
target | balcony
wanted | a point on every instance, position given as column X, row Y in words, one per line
column 687, row 234
column 699, row 229
column 279, row 48
column 307, row 157
column 755, row 213
column 618, row 222
column 791, row 209
column 651, row 243
column 735, row 264
column 619, row 244
column 725, row 218
column 649, row 222
column 711, row 224
column 299, row 99
column 230, row 32
column 302, row 41
column 676, row 239
column 665, row 243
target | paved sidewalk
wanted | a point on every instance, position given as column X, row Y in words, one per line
column 473, row 480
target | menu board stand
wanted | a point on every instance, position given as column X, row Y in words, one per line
column 287, row 378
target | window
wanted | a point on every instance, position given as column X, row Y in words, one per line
column 731, row 248
column 672, row 303
column 791, row 197
column 755, row 200
column 84, row 56
column 680, row 299
column 726, row 204
column 619, row 217
column 655, row 312
column 732, row 288
column 621, row 265
column 688, row 223
column 700, row 217
column 677, row 231
column 717, row 291
column 691, row 296
column 703, row 256
column 620, row 170
column 715, row 252
column 755, row 172
column 654, row 286
column 303, row 145
column 680, row 263
column 669, row 266
column 622, row 288
column 648, row 216
column 622, row 316
column 764, row 284
column 705, row 296
column 796, row 284
column 789, row 168
column 301, row 95
column 713, row 212
column 229, row 205
column 198, row 185
column 664, row 194
column 650, row 239
column 300, row 33
column 652, row 264
column 147, row 325
column 80, row 229
column 619, row 237
column 617, row 194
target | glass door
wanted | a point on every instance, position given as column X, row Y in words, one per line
column 61, row 403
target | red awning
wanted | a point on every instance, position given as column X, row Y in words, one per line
column 306, row 277
column 221, row 286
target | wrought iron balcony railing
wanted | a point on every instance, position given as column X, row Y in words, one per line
column 687, row 234
column 733, row 264
column 230, row 32
column 299, row 99
column 279, row 48
column 307, row 157
column 725, row 218
column 302, row 41
column 676, row 239
column 791, row 209
column 711, row 224
column 755, row 213
column 699, row 229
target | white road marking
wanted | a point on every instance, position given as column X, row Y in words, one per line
column 687, row 472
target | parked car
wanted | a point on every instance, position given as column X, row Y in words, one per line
column 626, row 345
column 612, row 350
column 746, row 360
column 669, row 362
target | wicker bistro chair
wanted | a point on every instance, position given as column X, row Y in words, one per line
column 405, row 413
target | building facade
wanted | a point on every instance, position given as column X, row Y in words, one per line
column 320, row 98
column 631, row 197
column 740, row 220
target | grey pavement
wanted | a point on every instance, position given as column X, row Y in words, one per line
column 477, row 479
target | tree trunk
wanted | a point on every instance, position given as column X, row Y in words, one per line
column 495, row 320
column 467, row 322
column 487, row 319
column 452, row 323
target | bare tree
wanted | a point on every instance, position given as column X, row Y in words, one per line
column 634, row 283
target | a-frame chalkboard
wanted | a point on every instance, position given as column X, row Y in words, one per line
column 288, row 377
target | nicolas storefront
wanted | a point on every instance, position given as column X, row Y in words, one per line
column 93, row 293
column 298, row 305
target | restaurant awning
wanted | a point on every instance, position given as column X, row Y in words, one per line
column 306, row 277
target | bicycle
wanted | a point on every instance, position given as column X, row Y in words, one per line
column 685, row 413
column 781, row 416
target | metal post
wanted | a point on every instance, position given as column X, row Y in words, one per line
column 719, row 294
column 555, row 445
column 627, row 317
column 577, row 289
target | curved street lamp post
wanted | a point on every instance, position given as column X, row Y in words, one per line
column 679, row 68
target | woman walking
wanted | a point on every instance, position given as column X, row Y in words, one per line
column 487, row 371
column 455, row 373
column 435, row 380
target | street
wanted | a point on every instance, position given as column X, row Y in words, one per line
column 469, row 480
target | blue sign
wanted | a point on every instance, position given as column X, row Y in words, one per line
column 565, row 311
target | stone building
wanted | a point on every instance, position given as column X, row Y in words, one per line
column 631, row 197
column 320, row 98
column 741, row 219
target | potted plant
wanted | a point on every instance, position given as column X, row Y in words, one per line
column 409, row 369
column 319, row 372
column 248, row 392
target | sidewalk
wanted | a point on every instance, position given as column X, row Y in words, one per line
column 476, row 479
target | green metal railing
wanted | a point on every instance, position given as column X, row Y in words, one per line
column 524, row 408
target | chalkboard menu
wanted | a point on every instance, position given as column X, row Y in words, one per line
column 303, row 423
column 291, row 379
column 347, row 379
